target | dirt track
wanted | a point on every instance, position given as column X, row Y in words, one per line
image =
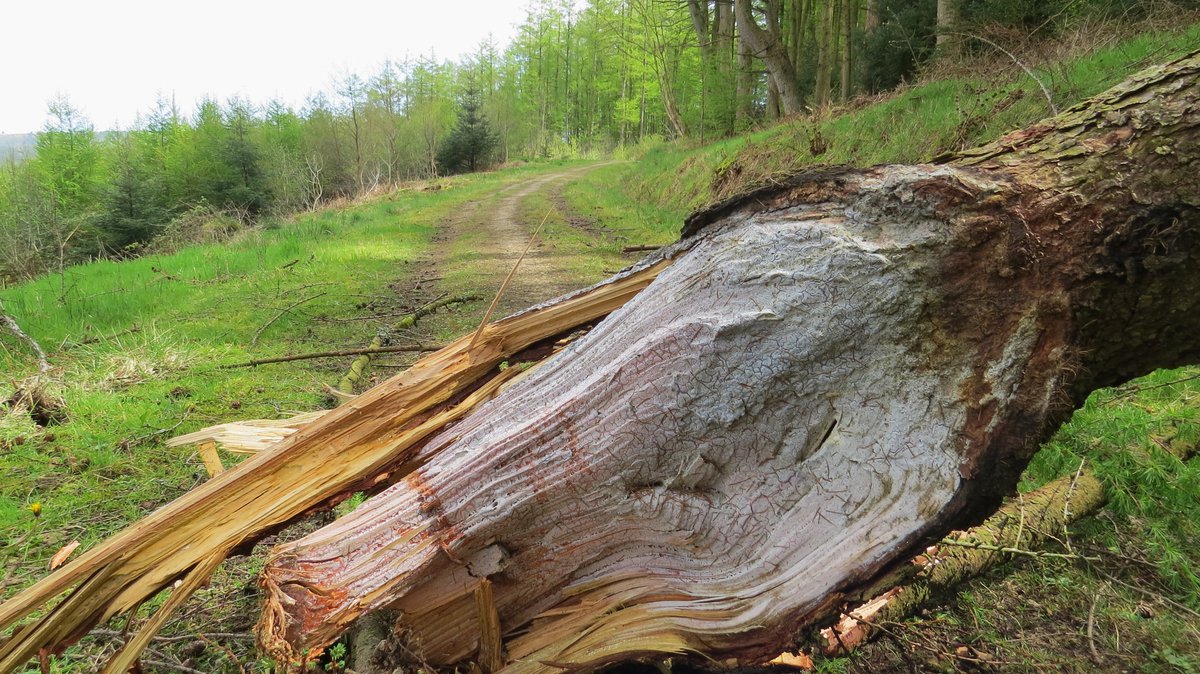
column 491, row 234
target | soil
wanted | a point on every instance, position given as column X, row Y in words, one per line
column 500, row 229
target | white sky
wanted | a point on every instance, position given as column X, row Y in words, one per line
column 111, row 58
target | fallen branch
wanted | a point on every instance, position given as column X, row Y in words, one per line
column 293, row 305
column 354, row 374
column 638, row 248
column 43, row 362
column 336, row 354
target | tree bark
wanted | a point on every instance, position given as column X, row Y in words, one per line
column 767, row 46
column 824, row 81
column 849, row 17
column 947, row 24
column 723, row 27
column 833, row 371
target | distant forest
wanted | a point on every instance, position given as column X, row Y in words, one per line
column 574, row 81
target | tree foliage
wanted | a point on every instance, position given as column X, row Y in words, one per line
column 578, row 78
column 469, row 145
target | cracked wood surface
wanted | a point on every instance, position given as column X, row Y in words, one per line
column 832, row 370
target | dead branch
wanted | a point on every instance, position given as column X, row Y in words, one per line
column 336, row 354
column 13, row 327
column 354, row 374
column 293, row 305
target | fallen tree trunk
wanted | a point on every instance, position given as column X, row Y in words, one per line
column 839, row 368
column 821, row 376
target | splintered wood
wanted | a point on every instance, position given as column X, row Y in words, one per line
column 352, row 448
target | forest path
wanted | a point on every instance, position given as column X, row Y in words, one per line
column 476, row 248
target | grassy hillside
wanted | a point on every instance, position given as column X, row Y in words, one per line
column 913, row 125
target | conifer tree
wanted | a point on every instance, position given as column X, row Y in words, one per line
column 469, row 145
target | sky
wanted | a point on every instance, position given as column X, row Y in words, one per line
column 112, row 58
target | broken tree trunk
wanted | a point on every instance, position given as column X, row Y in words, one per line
column 819, row 377
column 359, row 446
column 832, row 371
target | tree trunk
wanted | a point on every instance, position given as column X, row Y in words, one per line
column 767, row 46
column 947, row 25
column 832, row 371
column 849, row 17
column 700, row 19
column 872, row 21
column 824, row 55
column 744, row 81
column 723, row 27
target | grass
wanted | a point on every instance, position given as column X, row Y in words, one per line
column 161, row 324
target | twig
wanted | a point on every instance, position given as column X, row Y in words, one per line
column 334, row 354
column 1017, row 551
column 1138, row 389
column 1067, row 507
column 172, row 666
column 96, row 339
column 495, row 301
column 1091, row 629
column 293, row 305
column 638, row 248
column 1149, row 593
column 43, row 363
column 1045, row 91
column 184, row 637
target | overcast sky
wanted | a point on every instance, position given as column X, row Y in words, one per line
column 111, row 58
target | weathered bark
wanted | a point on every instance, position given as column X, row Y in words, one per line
column 871, row 23
column 726, row 89
column 767, row 46
column 833, row 371
column 849, row 18
column 1019, row 527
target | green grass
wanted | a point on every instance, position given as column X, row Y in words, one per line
column 175, row 318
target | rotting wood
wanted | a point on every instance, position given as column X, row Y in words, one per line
column 843, row 366
column 639, row 248
column 357, row 447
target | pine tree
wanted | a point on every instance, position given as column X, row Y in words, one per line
column 469, row 145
